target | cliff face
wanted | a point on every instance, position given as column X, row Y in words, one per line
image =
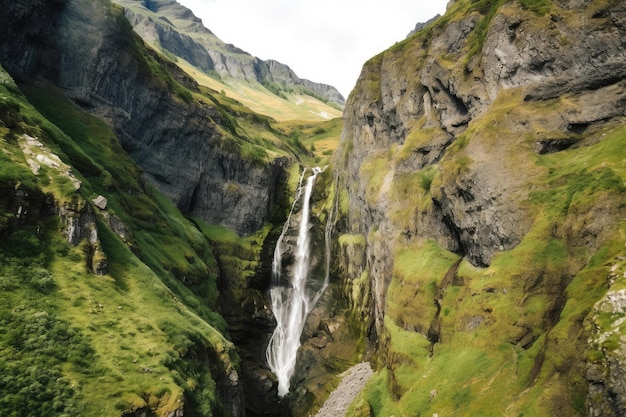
column 166, row 23
column 471, row 162
column 182, row 146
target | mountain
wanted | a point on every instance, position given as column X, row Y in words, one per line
column 483, row 166
column 172, row 28
column 475, row 203
column 134, row 209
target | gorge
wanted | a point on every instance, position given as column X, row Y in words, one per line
column 467, row 237
column 292, row 302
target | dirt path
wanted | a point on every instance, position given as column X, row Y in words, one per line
column 353, row 381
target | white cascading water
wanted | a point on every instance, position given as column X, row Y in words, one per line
column 291, row 304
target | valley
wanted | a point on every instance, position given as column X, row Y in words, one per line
column 464, row 233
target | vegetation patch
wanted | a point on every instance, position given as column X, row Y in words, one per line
column 411, row 295
column 541, row 7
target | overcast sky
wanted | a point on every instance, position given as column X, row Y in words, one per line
column 325, row 41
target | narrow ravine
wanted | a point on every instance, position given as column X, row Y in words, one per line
column 291, row 302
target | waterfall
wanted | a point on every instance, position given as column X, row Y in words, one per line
column 290, row 303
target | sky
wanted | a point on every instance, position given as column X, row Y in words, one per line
column 325, row 41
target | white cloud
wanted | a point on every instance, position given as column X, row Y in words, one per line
column 325, row 41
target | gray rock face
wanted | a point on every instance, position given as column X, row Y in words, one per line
column 522, row 53
column 79, row 224
column 421, row 25
column 176, row 29
column 476, row 207
column 179, row 44
column 80, row 48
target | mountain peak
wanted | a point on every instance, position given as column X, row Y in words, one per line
column 171, row 27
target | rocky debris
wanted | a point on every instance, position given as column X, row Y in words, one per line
column 100, row 202
column 352, row 383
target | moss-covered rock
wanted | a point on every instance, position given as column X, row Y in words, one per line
column 481, row 159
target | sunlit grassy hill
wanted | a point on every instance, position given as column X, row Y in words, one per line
column 284, row 105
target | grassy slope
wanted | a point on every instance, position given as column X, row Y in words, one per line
column 130, row 339
column 287, row 106
column 259, row 136
column 506, row 348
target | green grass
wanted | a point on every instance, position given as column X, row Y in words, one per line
column 352, row 240
column 129, row 315
column 35, row 346
column 541, row 7
column 135, row 334
column 319, row 139
column 287, row 106
column 451, row 382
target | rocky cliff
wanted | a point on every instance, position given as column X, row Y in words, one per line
column 171, row 26
column 190, row 151
column 484, row 180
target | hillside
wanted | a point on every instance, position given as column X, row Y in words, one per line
column 95, row 317
column 483, row 163
column 267, row 87
column 116, row 257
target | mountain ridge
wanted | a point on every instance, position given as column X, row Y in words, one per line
column 200, row 47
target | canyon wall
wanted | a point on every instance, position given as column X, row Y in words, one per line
column 454, row 158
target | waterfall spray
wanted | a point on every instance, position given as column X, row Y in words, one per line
column 291, row 304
